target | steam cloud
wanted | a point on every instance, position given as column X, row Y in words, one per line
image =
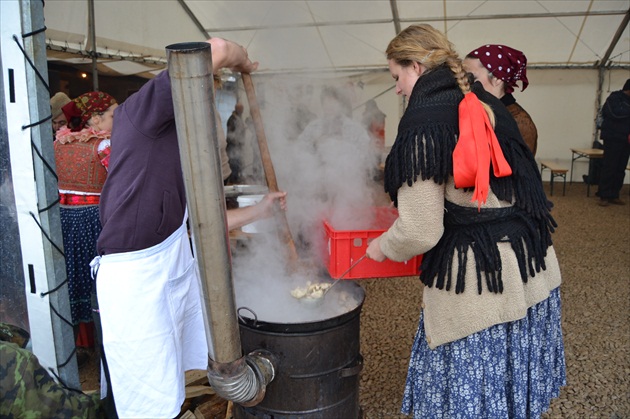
column 326, row 161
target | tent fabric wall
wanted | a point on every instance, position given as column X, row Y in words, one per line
column 566, row 44
column 320, row 35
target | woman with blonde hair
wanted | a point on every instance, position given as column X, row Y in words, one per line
column 489, row 342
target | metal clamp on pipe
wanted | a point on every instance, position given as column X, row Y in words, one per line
column 245, row 380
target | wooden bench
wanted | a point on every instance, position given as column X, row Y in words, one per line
column 556, row 170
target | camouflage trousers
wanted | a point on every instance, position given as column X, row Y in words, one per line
column 28, row 391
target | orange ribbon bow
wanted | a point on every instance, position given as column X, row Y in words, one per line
column 476, row 146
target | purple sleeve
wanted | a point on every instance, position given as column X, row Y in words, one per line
column 151, row 108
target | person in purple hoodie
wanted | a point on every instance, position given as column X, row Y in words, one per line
column 146, row 277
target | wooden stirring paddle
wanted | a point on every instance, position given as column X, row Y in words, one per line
column 270, row 174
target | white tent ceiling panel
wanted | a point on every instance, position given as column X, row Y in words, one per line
column 259, row 13
column 67, row 17
column 347, row 11
column 293, row 48
column 249, row 39
column 147, row 26
column 534, row 40
column 356, row 45
column 292, row 35
column 593, row 37
column 602, row 5
column 217, row 14
column 428, row 9
column 515, row 7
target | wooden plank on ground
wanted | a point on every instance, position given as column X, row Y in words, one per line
column 196, row 377
column 214, row 408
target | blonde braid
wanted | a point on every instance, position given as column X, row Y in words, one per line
column 455, row 64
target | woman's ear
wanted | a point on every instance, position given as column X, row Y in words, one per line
column 497, row 82
column 419, row 68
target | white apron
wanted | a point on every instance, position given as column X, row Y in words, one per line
column 153, row 330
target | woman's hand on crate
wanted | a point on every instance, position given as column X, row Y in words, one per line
column 374, row 251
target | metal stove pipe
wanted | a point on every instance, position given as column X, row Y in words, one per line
column 240, row 381
column 236, row 378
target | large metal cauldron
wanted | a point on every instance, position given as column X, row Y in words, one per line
column 318, row 366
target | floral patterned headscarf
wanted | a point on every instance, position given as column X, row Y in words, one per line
column 505, row 63
column 85, row 106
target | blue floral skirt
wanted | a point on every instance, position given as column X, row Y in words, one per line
column 510, row 370
column 80, row 227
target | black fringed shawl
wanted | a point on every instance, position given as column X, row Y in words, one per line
column 427, row 135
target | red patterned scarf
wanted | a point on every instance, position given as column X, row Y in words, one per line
column 85, row 106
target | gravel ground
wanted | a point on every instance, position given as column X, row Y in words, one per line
column 593, row 247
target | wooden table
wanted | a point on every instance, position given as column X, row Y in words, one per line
column 585, row 153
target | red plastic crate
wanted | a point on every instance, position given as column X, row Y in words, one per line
column 346, row 247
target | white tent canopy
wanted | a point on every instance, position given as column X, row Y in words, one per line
column 578, row 51
column 329, row 35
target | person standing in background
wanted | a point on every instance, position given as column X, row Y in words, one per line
column 58, row 101
column 615, row 133
column 236, row 135
column 82, row 155
column 498, row 68
column 489, row 341
column 374, row 121
column 253, row 170
column 226, row 171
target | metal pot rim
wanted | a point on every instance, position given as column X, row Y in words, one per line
column 305, row 327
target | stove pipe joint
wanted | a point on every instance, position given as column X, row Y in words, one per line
column 245, row 380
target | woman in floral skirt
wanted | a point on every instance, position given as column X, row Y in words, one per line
column 470, row 198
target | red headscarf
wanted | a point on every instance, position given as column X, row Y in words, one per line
column 85, row 106
column 505, row 63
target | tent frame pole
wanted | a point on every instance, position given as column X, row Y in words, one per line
column 93, row 53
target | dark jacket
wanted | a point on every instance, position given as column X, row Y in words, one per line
column 143, row 200
column 616, row 114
